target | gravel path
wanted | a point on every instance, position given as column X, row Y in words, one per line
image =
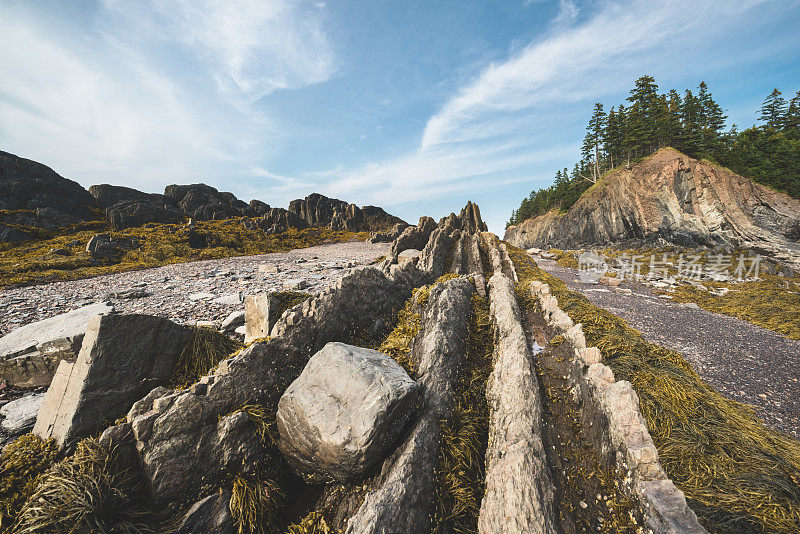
column 743, row 361
column 187, row 292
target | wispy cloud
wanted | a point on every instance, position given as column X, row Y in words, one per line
column 157, row 92
column 512, row 107
column 252, row 46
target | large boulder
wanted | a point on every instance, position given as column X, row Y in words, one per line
column 121, row 359
column 69, row 326
column 30, row 354
column 107, row 195
column 133, row 213
column 344, row 412
column 38, row 197
column 106, row 246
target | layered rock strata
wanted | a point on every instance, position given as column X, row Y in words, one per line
column 611, row 409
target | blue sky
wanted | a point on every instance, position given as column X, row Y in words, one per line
column 413, row 106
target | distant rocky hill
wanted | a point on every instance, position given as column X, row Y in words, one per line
column 670, row 198
column 34, row 197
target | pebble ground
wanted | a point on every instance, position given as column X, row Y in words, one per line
column 188, row 292
column 743, row 361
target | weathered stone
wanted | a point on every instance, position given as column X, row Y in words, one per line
column 408, row 255
column 185, row 438
column 519, row 495
column 233, row 321
column 295, row 284
column 68, row 326
column 106, row 246
column 121, row 359
column 19, row 415
column 32, row 194
column 208, row 516
column 229, row 299
column 405, row 490
column 415, row 237
column 261, row 312
column 343, row 412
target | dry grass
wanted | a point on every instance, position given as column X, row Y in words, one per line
column 255, row 504
column 21, row 463
column 313, row 523
column 738, row 475
column 32, row 262
column 462, row 470
column 93, row 490
column 204, row 350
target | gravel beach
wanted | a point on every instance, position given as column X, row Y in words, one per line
column 743, row 361
column 188, row 292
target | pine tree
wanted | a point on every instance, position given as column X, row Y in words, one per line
column 712, row 120
column 673, row 131
column 773, row 110
column 791, row 121
column 690, row 114
column 594, row 138
column 642, row 118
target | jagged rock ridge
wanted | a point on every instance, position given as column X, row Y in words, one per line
column 34, row 196
column 670, row 197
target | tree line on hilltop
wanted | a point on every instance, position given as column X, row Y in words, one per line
column 693, row 124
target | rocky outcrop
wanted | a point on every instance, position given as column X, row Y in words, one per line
column 669, row 197
column 519, row 494
column 414, row 237
column 204, row 203
column 319, row 210
column 187, row 437
column 122, row 358
column 105, row 246
column 344, row 412
column 276, row 221
column 404, row 492
column 30, row 354
column 610, row 414
column 33, row 195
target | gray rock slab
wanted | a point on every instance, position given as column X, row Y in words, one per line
column 19, row 415
column 343, row 412
column 122, row 358
column 66, row 325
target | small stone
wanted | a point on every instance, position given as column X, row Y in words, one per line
column 583, row 505
column 201, row 296
column 295, row 284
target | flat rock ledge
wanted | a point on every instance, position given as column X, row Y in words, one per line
column 519, row 494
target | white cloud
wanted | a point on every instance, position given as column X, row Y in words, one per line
column 252, row 46
column 127, row 93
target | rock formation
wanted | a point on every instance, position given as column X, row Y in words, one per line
column 669, row 197
column 34, row 196
column 122, row 358
column 30, row 354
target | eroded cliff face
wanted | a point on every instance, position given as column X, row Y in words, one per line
column 672, row 198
